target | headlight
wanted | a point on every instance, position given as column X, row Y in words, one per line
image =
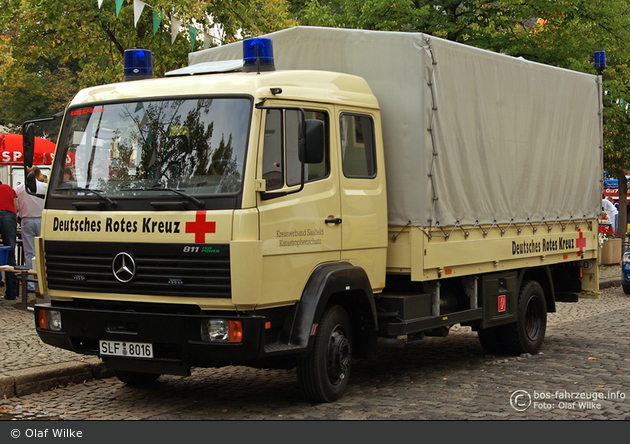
column 626, row 257
column 49, row 320
column 221, row 330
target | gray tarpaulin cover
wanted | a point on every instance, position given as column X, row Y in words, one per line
column 511, row 139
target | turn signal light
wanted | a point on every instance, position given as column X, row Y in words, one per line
column 236, row 331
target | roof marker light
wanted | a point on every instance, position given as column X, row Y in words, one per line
column 138, row 64
column 258, row 55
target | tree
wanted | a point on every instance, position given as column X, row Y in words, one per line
column 617, row 134
column 50, row 49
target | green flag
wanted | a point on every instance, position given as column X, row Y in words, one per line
column 157, row 19
column 119, row 4
column 193, row 36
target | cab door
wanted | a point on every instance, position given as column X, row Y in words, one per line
column 363, row 192
column 299, row 226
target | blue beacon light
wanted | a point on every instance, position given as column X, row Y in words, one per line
column 258, row 55
column 600, row 61
column 138, row 64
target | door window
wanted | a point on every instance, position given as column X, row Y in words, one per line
column 281, row 165
column 357, row 146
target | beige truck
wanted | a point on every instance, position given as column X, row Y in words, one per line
column 355, row 189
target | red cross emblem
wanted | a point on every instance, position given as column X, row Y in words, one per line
column 580, row 242
column 200, row 227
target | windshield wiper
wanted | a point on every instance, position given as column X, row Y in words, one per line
column 192, row 199
column 98, row 193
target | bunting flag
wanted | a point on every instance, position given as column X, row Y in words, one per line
column 119, row 4
column 176, row 24
column 157, row 19
column 193, row 37
column 138, row 6
column 207, row 41
column 158, row 16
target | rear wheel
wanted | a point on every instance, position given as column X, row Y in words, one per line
column 323, row 374
column 527, row 334
column 136, row 378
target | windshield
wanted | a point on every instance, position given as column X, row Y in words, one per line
column 194, row 146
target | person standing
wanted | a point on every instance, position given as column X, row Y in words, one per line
column 30, row 210
column 608, row 209
column 615, row 218
column 8, row 231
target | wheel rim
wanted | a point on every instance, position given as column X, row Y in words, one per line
column 533, row 319
column 339, row 354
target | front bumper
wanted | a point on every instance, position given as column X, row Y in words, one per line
column 176, row 338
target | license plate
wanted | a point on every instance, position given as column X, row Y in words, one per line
column 126, row 349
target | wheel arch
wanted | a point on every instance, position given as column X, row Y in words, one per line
column 342, row 284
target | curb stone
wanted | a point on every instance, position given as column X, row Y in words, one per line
column 32, row 380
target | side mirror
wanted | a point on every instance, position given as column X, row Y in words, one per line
column 28, row 145
column 31, row 183
column 313, row 151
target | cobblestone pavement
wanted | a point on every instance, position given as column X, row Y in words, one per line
column 20, row 347
column 582, row 372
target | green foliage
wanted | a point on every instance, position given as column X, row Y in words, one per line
column 49, row 49
column 383, row 15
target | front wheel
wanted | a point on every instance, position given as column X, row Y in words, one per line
column 323, row 374
column 626, row 288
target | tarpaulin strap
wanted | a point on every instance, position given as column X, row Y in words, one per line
column 534, row 229
column 431, row 85
column 554, row 224
column 575, row 223
column 431, row 230
column 519, row 230
column 466, row 234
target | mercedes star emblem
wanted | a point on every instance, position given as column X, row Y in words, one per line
column 124, row 267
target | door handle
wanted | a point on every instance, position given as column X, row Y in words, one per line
column 334, row 221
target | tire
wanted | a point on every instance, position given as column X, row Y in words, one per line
column 528, row 333
column 323, row 375
column 136, row 378
column 626, row 288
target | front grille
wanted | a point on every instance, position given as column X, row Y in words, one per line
column 160, row 269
